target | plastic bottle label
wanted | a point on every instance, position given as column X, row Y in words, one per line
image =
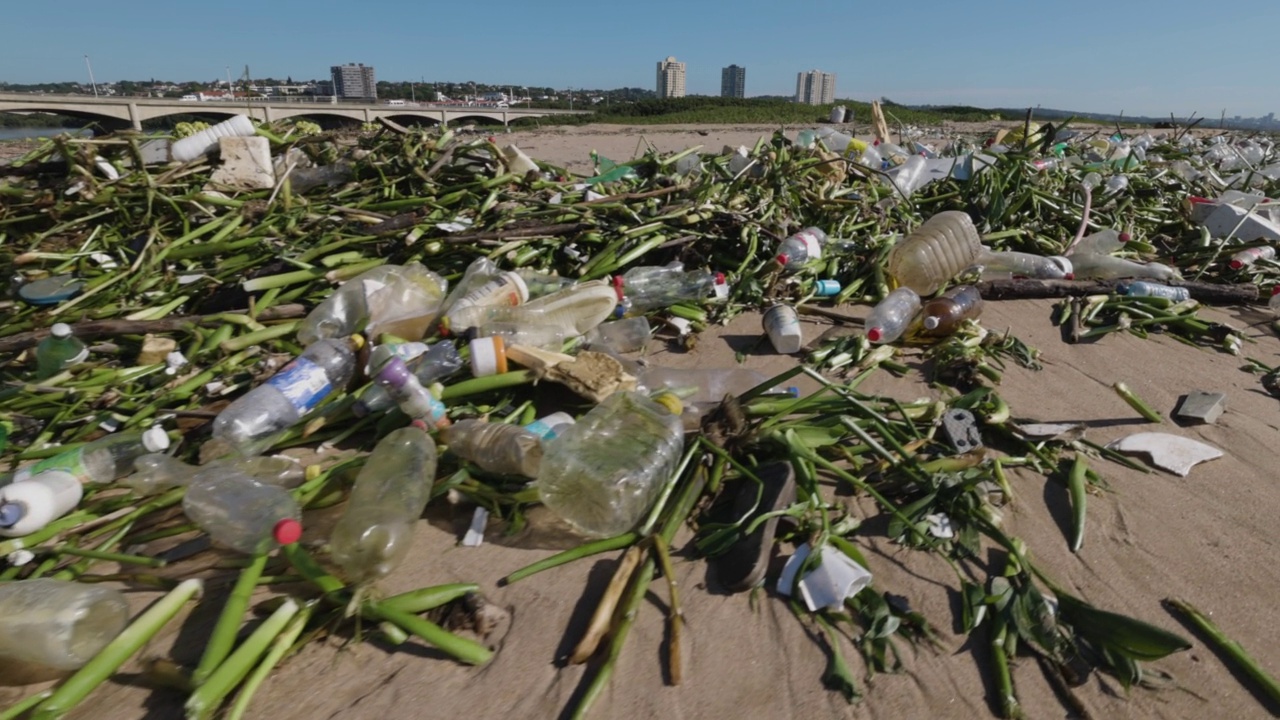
column 541, row 429
column 69, row 462
column 303, row 383
column 811, row 245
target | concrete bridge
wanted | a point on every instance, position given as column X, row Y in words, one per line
column 119, row 113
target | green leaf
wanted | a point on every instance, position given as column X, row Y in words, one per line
column 1133, row 638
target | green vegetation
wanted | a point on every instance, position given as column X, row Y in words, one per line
column 40, row 120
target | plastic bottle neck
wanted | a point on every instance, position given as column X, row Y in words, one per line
column 931, row 322
column 10, row 514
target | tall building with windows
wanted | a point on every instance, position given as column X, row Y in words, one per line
column 815, row 87
column 733, row 81
column 354, row 80
column 670, row 78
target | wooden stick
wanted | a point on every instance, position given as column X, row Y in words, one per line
column 1022, row 288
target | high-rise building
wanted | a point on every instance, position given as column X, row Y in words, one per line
column 670, row 78
column 733, row 81
column 354, row 80
column 815, row 87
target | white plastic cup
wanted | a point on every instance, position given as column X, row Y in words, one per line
column 782, row 324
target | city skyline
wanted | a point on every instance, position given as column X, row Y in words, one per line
column 1135, row 59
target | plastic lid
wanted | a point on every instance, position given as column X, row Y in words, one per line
column 793, row 391
column 521, row 288
column 1236, row 264
column 1275, row 290
column 670, row 401
column 720, row 278
column 60, row 330
column 488, row 356
column 11, row 513
column 50, row 291
column 287, row 532
column 875, row 333
column 931, row 322
column 782, row 258
column 618, row 282
column 155, row 439
column 418, row 423
column 1125, row 237
column 1064, row 264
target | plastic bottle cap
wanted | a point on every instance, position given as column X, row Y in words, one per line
column 720, row 278
column 618, row 282
column 793, row 391
column 50, row 291
column 394, row 373
column 1236, row 264
column 60, row 330
column 670, row 401
column 930, row 323
column 357, row 341
column 418, row 423
column 1125, row 237
column 287, row 532
column 874, row 334
column 155, row 440
column 10, row 514
column 488, row 356
column 782, row 259
column 1275, row 290
column 1069, row 276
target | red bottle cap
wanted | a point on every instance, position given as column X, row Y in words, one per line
column 782, row 259
column 719, row 278
column 618, row 282
column 1069, row 276
column 1275, row 290
column 1125, row 237
column 418, row 423
column 874, row 334
column 1236, row 265
column 287, row 532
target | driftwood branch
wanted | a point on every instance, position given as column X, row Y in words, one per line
column 110, row 328
column 1018, row 289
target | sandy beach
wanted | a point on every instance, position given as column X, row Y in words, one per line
column 1206, row 538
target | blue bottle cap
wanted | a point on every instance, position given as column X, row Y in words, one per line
column 793, row 391
column 50, row 291
column 10, row 514
column 826, row 288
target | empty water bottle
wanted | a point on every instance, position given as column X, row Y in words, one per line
column 1103, row 242
column 620, row 336
column 256, row 419
column 1089, row 266
column 156, row 473
column 538, row 336
column 28, row 505
column 411, row 396
column 242, row 513
column 495, row 447
column 935, row 252
column 505, row 290
column 782, row 325
column 892, row 315
column 401, row 300
column 1249, row 256
column 103, row 460
column 375, row 531
column 56, row 623
column 59, row 351
column 944, row 314
column 1027, row 265
column 1117, row 184
column 574, row 310
column 439, row 361
column 550, row 426
column 643, row 289
column 800, row 249
column 480, row 271
column 603, row 473
column 1146, row 289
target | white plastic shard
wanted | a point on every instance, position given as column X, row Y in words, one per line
column 1052, row 431
column 1168, row 452
column 829, row 584
column 475, row 533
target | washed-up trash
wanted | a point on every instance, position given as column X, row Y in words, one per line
column 935, row 252
column 58, row 624
column 191, row 147
column 1168, row 452
column 50, row 291
column 891, row 317
column 398, row 299
column 1201, row 407
column 827, row 586
column 943, row 315
column 1053, row 431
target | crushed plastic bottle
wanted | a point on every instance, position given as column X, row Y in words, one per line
column 400, row 300
column 1027, row 265
column 1249, row 256
column 935, row 252
column 643, row 289
column 1089, row 266
column 1146, row 289
column 251, row 423
column 1103, row 242
column 944, row 314
column 892, row 315
column 574, row 310
column 28, row 505
column 156, row 473
column 376, row 530
column 603, row 473
column 103, row 460
column 242, row 513
column 439, row 361
column 59, row 351
column 620, row 336
column 413, row 399
column 58, row 624
column 495, row 447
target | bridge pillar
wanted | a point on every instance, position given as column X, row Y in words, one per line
column 444, row 119
column 133, row 116
column 504, row 118
column 267, row 114
column 368, row 116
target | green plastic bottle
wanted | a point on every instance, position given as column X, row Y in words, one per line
column 58, row 352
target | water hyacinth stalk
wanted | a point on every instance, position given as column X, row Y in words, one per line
column 1230, row 648
column 224, row 633
column 208, row 697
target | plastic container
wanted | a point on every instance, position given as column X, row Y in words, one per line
column 1245, row 258
column 910, row 176
column 28, row 505
column 782, row 325
column 935, row 252
column 604, row 472
column 837, row 114
column 826, row 288
column 156, row 473
column 254, row 421
column 1117, row 184
column 1027, row 265
column 242, row 513
column 59, row 351
column 438, row 362
column 891, row 316
column 944, row 314
column 1089, row 266
column 504, row 290
column 540, row 284
column 1145, row 289
column 375, row 531
column 800, row 249
column 488, row 356
column 58, row 624
column 478, row 272
column 620, row 336
column 495, row 447
column 1103, row 242
column 550, row 426
column 643, row 289
column 401, row 300
column 103, row 460
column 517, row 161
column 539, row 336
column 412, row 397
column 193, row 146
column 574, row 310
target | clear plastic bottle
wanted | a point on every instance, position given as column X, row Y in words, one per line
column 375, row 531
column 539, row 336
column 401, row 300
column 59, row 351
column 478, row 273
column 414, row 399
column 699, row 386
column 643, row 289
column 28, row 505
column 620, row 336
column 574, row 310
column 1249, row 256
column 251, row 423
column 944, row 314
column 1274, row 303
column 1146, row 289
column 156, row 473
column 1117, row 184
column 550, row 426
column 242, row 513
column 505, row 290
column 782, row 325
column 541, row 284
column 1103, row 242
column 604, row 472
column 891, row 317
column 58, row 624
column 439, row 361
column 935, row 252
column 1027, row 265
column 800, row 249
column 1089, row 266
column 910, row 176
column 495, row 447
column 103, row 460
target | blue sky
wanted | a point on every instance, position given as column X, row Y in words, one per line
column 1136, row 56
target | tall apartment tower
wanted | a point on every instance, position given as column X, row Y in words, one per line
column 815, row 87
column 354, row 80
column 670, row 78
column 733, row 81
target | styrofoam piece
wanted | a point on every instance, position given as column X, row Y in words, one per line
column 1222, row 221
column 829, row 584
column 1168, row 452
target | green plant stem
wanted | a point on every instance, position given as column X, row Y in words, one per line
column 1229, row 647
column 279, row 648
column 208, row 697
column 595, row 547
column 224, row 632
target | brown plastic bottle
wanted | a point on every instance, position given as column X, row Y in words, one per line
column 944, row 314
